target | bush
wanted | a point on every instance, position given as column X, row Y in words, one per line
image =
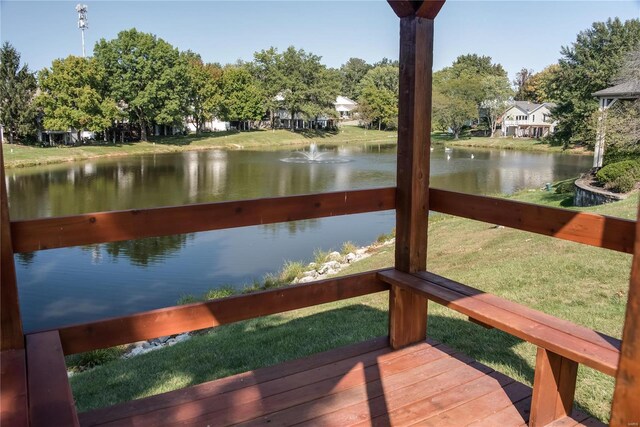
column 188, row 299
column 348, row 247
column 620, row 176
column 221, row 292
column 90, row 359
column 565, row 187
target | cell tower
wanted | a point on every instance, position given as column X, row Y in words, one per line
column 83, row 21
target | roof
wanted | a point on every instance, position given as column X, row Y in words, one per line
column 344, row 100
column 630, row 89
column 530, row 107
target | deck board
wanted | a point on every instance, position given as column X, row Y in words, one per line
column 363, row 384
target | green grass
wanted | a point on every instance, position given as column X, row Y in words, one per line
column 576, row 282
column 22, row 156
column 507, row 143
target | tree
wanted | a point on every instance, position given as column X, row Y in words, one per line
column 242, row 95
column 454, row 99
column 71, row 96
column 322, row 95
column 267, row 69
column 351, row 73
column 147, row 76
column 18, row 86
column 305, row 83
column 378, row 101
column 541, row 87
column 522, row 77
column 497, row 94
column 590, row 64
column 204, row 92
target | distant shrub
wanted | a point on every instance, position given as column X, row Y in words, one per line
column 188, row 299
column 348, row 247
column 620, row 176
column 91, row 359
column 565, row 187
column 221, row 292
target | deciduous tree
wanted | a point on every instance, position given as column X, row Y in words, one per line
column 147, row 76
column 204, row 89
column 72, row 96
column 378, row 101
column 17, row 88
column 351, row 73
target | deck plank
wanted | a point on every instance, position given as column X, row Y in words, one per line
column 364, row 384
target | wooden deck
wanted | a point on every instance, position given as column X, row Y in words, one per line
column 362, row 384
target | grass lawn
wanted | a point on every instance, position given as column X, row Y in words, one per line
column 521, row 144
column 22, row 156
column 583, row 284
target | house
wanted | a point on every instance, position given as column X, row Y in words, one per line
column 345, row 107
column 526, row 119
column 213, row 125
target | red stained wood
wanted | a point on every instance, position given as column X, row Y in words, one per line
column 591, row 229
column 13, row 389
column 50, row 233
column 626, row 397
column 407, row 311
column 422, row 8
column 554, row 387
column 50, row 398
column 10, row 322
column 602, row 358
column 173, row 320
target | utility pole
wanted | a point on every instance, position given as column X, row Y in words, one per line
column 83, row 22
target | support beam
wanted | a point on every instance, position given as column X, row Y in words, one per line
column 11, row 337
column 625, row 410
column 408, row 311
column 554, row 387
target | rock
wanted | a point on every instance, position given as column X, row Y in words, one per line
column 182, row 337
column 146, row 345
column 171, row 341
column 330, row 272
column 313, row 265
column 350, row 257
column 323, row 269
column 310, row 273
column 306, row 279
column 135, row 352
column 164, row 339
column 361, row 251
column 333, row 265
column 335, row 256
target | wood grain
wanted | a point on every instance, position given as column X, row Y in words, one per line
column 407, row 311
column 13, row 389
column 554, row 387
column 60, row 232
column 174, row 320
column 591, row 229
column 601, row 357
column 50, row 398
column 10, row 322
column 625, row 409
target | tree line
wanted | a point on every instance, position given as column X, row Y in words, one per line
column 140, row 80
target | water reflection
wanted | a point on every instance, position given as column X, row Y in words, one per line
column 79, row 284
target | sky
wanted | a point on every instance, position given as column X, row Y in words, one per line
column 517, row 34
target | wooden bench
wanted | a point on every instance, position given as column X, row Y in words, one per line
column 562, row 345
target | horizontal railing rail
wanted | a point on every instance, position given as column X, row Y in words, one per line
column 174, row 320
column 59, row 232
column 591, row 229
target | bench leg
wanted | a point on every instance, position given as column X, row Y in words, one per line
column 407, row 317
column 554, row 387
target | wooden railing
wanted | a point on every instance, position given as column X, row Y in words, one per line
column 555, row 373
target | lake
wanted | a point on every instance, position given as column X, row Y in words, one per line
column 64, row 286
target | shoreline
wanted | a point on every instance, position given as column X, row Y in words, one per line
column 22, row 156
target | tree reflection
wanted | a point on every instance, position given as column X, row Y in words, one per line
column 26, row 258
column 145, row 252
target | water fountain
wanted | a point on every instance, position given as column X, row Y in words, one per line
column 313, row 156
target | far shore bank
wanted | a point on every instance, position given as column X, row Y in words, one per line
column 16, row 156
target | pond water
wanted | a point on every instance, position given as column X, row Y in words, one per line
column 64, row 286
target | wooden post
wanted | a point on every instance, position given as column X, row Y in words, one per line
column 407, row 310
column 554, row 387
column 10, row 323
column 625, row 410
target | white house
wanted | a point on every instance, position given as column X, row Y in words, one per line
column 345, row 107
column 213, row 125
column 526, row 119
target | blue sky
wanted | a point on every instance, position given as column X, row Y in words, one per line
column 515, row 33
